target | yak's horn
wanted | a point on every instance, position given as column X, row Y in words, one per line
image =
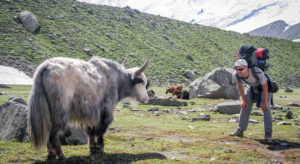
column 142, row 68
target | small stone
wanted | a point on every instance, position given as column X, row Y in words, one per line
column 253, row 121
column 293, row 104
column 191, row 127
column 284, row 123
column 231, row 120
column 288, row 89
column 289, row 115
column 258, row 113
column 186, row 118
column 276, row 106
column 192, row 103
column 183, row 112
column 153, row 109
column 230, row 151
column 203, row 118
column 128, row 139
column 282, row 96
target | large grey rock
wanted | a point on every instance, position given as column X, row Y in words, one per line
column 29, row 21
column 166, row 102
column 13, row 124
column 216, row 84
column 229, row 107
column 13, row 121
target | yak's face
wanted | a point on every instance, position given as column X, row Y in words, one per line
column 140, row 88
column 138, row 81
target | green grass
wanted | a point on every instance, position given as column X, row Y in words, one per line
column 141, row 137
column 67, row 27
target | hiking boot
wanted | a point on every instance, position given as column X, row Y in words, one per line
column 268, row 140
column 238, row 133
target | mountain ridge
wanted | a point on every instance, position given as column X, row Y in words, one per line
column 278, row 29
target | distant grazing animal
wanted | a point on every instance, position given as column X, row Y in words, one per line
column 151, row 93
column 175, row 90
column 184, row 95
column 74, row 92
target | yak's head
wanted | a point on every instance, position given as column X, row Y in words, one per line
column 138, row 81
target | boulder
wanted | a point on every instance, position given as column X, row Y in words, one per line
column 13, row 121
column 216, row 84
column 166, row 102
column 13, row 124
column 189, row 75
column 29, row 21
column 229, row 107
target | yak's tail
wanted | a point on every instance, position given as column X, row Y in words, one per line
column 38, row 111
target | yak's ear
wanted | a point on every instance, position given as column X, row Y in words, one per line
column 148, row 84
column 137, row 80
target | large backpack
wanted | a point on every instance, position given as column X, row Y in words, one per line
column 257, row 58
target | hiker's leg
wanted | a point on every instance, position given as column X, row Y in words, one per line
column 268, row 119
column 245, row 113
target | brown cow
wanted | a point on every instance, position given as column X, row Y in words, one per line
column 175, row 90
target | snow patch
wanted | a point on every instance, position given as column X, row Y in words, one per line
column 10, row 75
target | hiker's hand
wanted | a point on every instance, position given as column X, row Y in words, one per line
column 264, row 106
column 244, row 105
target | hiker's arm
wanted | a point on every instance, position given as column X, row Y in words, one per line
column 264, row 103
column 244, row 104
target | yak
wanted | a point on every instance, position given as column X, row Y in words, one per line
column 69, row 91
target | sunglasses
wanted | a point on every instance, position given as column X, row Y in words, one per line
column 241, row 69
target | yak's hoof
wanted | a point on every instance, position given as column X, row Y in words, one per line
column 96, row 150
column 51, row 156
column 61, row 157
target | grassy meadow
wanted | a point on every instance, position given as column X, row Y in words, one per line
column 139, row 136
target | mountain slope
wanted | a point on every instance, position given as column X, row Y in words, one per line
column 278, row 29
column 80, row 30
column 236, row 15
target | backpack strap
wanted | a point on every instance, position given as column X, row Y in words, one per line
column 254, row 74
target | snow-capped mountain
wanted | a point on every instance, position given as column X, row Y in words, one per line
column 236, row 15
column 279, row 29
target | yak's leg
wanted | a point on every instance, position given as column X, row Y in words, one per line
column 91, row 131
column 54, row 147
column 58, row 123
column 106, row 119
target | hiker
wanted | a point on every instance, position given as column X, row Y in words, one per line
column 257, row 92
